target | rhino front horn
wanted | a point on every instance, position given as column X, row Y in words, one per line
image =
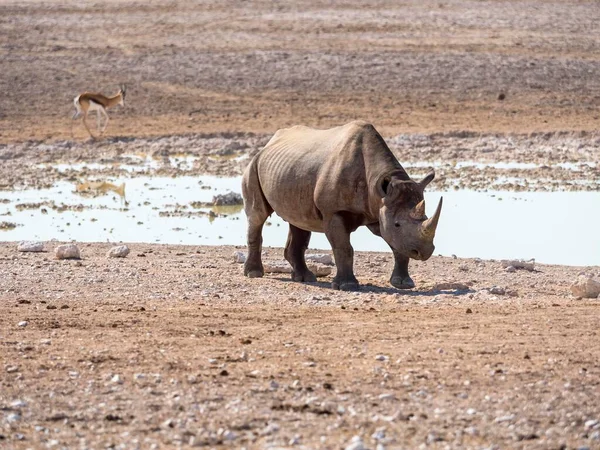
column 430, row 224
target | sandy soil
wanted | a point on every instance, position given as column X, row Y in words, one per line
column 173, row 347
column 258, row 66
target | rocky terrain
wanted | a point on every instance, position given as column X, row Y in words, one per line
column 173, row 346
column 169, row 346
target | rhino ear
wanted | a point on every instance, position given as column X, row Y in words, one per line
column 394, row 190
column 428, row 179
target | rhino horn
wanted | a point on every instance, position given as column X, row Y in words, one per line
column 430, row 224
column 419, row 210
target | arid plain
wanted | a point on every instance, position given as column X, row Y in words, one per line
column 172, row 347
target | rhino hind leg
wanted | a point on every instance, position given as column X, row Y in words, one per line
column 297, row 243
column 338, row 236
column 258, row 211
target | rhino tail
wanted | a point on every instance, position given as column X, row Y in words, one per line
column 256, row 206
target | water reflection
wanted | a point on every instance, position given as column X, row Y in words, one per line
column 552, row 227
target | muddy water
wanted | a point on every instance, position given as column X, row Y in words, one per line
column 552, row 227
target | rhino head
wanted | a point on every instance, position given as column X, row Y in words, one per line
column 402, row 220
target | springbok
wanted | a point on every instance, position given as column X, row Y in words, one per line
column 90, row 101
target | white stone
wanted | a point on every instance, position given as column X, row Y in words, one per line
column 117, row 379
column 356, row 443
column 519, row 264
column 23, row 323
column 589, row 424
column 319, row 270
column 586, row 286
column 120, row 251
column 322, row 258
column 67, row 251
column 31, row 246
column 239, row 257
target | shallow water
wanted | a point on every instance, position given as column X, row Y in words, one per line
column 552, row 227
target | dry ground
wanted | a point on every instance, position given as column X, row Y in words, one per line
column 173, row 346
column 259, row 65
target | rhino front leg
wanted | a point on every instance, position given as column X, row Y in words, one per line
column 297, row 243
column 400, row 278
column 339, row 237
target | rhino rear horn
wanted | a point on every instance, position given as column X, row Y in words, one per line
column 419, row 211
column 430, row 225
column 428, row 179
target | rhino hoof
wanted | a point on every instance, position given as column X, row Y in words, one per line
column 345, row 286
column 307, row 276
column 402, row 282
column 254, row 274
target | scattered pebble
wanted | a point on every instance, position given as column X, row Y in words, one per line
column 450, row 286
column 120, row 251
column 12, row 369
column 67, row 251
column 23, row 323
column 356, row 443
column 117, row 379
column 30, row 246
column 239, row 257
column 497, row 290
column 382, row 358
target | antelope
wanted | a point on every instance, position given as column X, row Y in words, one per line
column 90, row 101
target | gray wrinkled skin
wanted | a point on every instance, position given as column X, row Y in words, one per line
column 333, row 181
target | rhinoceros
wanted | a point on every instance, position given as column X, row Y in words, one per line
column 334, row 181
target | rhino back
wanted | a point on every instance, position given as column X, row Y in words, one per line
column 306, row 174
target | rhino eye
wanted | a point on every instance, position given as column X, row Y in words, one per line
column 397, row 225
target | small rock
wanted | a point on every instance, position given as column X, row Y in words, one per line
column 510, row 269
column 229, row 435
column 120, row 251
column 586, row 286
column 497, row 290
column 23, row 323
column 589, row 424
column 382, row 358
column 239, row 257
column 322, row 258
column 519, row 264
column 450, row 286
column 229, row 199
column 356, row 443
column 67, row 251
column 12, row 369
column 30, row 246
column 18, row 404
column 387, row 397
column 116, row 379
column 319, row 270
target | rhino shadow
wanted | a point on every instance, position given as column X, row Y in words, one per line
column 373, row 289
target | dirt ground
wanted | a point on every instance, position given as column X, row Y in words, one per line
column 173, row 347
column 257, row 65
